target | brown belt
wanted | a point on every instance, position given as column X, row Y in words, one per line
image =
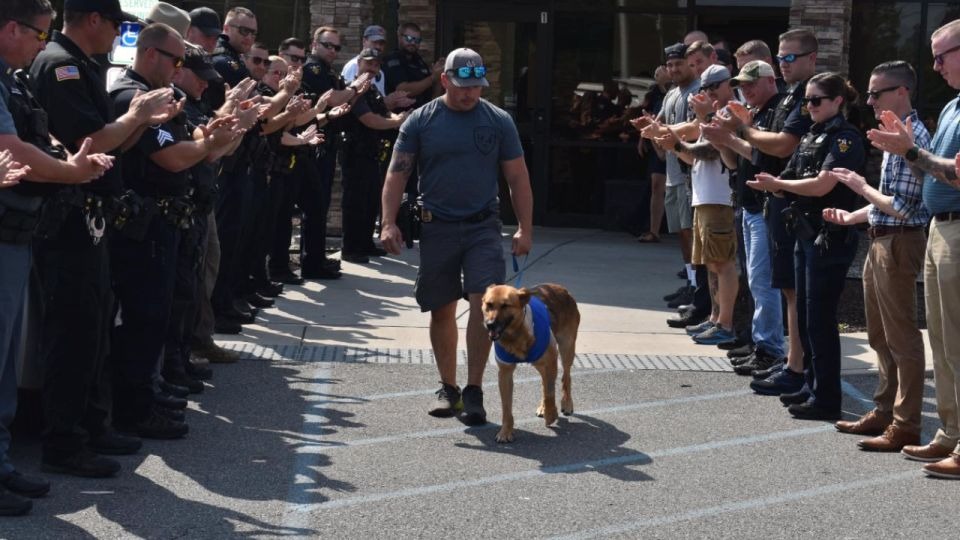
column 883, row 230
column 947, row 216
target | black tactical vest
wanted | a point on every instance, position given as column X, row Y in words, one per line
column 808, row 159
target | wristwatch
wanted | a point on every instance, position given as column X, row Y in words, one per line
column 912, row 154
column 678, row 148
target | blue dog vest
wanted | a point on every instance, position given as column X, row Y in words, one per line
column 541, row 335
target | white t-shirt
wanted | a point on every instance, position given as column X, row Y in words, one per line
column 711, row 182
column 349, row 73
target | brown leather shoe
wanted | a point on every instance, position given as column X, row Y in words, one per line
column 948, row 468
column 873, row 424
column 928, row 453
column 894, row 438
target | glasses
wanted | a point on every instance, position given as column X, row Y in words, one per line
column 41, row 35
column 245, row 31
column 875, row 94
column 792, row 57
column 177, row 60
column 333, row 46
column 257, row 60
column 939, row 58
column 295, row 58
column 815, row 100
column 713, row 86
column 466, row 72
column 412, row 39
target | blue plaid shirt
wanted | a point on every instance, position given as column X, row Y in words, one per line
column 907, row 190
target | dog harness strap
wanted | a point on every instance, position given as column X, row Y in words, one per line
column 541, row 335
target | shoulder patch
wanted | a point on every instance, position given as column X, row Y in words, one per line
column 65, row 73
column 843, row 144
column 234, row 65
column 315, row 69
column 164, row 137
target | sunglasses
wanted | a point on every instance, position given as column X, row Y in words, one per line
column 41, row 35
column 938, row 59
column 466, row 72
column 177, row 60
column 815, row 100
column 257, row 60
column 245, row 31
column 412, row 39
column 333, row 46
column 296, row 58
column 792, row 57
column 875, row 94
column 713, row 86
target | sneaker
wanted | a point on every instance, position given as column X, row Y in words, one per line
column 761, row 360
column 675, row 294
column 741, row 360
column 84, row 464
column 716, row 334
column 698, row 329
column 684, row 320
column 448, row 402
column 744, row 350
column 733, row 345
column 686, row 297
column 12, row 504
column 761, row 374
column 800, row 396
column 473, row 411
column 785, row 381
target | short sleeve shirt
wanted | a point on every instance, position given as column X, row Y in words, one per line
column 7, row 126
column 938, row 196
column 349, row 74
column 400, row 67
column 675, row 111
column 758, row 162
column 798, row 121
column 459, row 155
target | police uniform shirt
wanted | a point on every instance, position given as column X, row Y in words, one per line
column 140, row 173
column 71, row 88
column 198, row 114
column 403, row 67
column 846, row 150
column 318, row 77
column 7, row 126
column 226, row 60
column 798, row 122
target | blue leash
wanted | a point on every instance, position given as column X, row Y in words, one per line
column 517, row 270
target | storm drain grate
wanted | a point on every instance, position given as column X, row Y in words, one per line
column 377, row 355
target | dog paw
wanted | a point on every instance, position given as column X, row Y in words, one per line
column 550, row 416
column 566, row 407
column 505, row 435
column 540, row 411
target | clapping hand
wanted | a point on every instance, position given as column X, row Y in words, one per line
column 11, row 172
column 310, row 136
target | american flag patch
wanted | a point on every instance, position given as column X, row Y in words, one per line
column 67, row 72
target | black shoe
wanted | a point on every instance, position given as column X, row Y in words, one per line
column 809, row 411
column 761, row 374
column 761, row 361
column 182, row 379
column 682, row 274
column 683, row 321
column 321, row 273
column 223, row 325
column 177, row 415
column 258, row 301
column 236, row 316
column 287, row 277
column 732, row 345
column 355, row 258
column 174, row 389
column 12, row 504
column 795, row 398
column 375, row 252
column 169, row 402
column 112, row 443
column 85, row 464
column 745, row 350
column 448, row 403
column 215, row 354
column 675, row 294
column 738, row 361
column 786, row 381
column 686, row 297
column 271, row 289
column 473, row 411
column 25, row 486
column 156, row 426
column 200, row 373
column 333, row 264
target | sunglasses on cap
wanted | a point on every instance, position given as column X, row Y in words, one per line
column 177, row 60
column 466, row 72
column 328, row 45
column 412, row 39
column 41, row 34
column 875, row 94
column 295, row 58
column 815, row 100
column 712, row 86
column 792, row 57
column 245, row 31
column 257, row 60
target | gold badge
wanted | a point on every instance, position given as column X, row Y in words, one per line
column 804, row 111
column 843, row 145
column 234, row 65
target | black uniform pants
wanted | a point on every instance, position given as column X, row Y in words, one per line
column 263, row 209
column 361, row 200
column 187, row 292
column 233, row 206
column 74, row 335
column 316, row 187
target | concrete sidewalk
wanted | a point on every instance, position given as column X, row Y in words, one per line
column 617, row 282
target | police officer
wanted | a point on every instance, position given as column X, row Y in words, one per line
column 73, row 263
column 407, row 71
column 824, row 251
column 365, row 149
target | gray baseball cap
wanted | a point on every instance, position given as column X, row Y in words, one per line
column 465, row 58
column 375, row 33
column 714, row 74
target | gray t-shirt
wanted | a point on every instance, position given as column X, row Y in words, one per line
column 459, row 155
column 676, row 111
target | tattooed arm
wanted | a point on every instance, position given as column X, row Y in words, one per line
column 401, row 165
column 943, row 169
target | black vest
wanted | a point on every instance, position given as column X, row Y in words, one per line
column 358, row 137
column 808, row 159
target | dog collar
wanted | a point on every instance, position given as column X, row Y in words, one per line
column 541, row 335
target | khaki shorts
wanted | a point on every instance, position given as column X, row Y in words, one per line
column 714, row 234
column 677, row 206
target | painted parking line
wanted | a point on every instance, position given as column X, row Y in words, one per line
column 740, row 506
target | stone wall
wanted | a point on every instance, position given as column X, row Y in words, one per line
column 830, row 21
column 424, row 14
column 350, row 17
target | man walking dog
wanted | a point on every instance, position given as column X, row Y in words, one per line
column 461, row 143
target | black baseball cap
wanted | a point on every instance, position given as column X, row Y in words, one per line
column 108, row 8
column 369, row 54
column 677, row 50
column 207, row 21
column 197, row 61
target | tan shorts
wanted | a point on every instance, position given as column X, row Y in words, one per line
column 714, row 234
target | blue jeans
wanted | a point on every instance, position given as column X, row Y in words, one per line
column 767, row 310
column 14, row 275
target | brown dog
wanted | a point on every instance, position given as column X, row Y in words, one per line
column 514, row 321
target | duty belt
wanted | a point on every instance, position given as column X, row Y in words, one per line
column 178, row 211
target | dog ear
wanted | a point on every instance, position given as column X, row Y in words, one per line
column 524, row 296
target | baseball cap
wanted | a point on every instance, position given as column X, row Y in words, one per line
column 375, row 33
column 677, row 50
column 108, row 8
column 714, row 73
column 207, row 21
column 369, row 54
column 171, row 16
column 459, row 62
column 197, row 61
column 752, row 71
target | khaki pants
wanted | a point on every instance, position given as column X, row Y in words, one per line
column 942, row 284
column 890, row 301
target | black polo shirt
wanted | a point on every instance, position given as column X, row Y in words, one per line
column 71, row 87
column 749, row 198
column 402, row 67
column 140, row 173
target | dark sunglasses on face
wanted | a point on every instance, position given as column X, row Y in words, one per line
column 938, row 59
column 41, row 35
column 328, row 45
column 177, row 60
column 466, row 72
column 875, row 94
column 792, row 57
column 296, row 58
column 412, row 39
column 245, row 31
column 257, row 60
column 709, row 87
column 815, row 100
